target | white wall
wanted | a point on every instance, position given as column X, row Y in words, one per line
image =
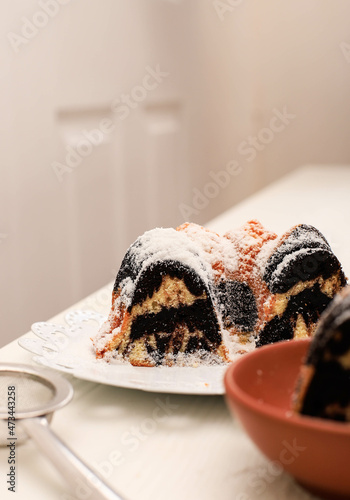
column 66, row 222
column 227, row 70
column 259, row 55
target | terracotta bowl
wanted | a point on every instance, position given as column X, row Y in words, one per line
column 315, row 451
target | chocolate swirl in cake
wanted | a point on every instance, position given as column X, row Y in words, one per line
column 191, row 291
column 181, row 316
column 324, row 385
column 163, row 294
column 303, row 275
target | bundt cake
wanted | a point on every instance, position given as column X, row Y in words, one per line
column 323, row 389
column 302, row 275
column 163, row 304
column 243, row 293
column 190, row 295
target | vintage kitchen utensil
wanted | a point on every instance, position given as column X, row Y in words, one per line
column 28, row 398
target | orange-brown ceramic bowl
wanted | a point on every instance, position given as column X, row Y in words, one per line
column 315, row 451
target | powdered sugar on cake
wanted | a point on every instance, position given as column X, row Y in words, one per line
column 190, row 296
column 163, row 244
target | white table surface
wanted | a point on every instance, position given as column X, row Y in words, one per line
column 197, row 451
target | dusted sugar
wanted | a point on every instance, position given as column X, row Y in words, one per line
column 191, row 296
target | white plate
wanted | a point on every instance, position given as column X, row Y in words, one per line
column 67, row 348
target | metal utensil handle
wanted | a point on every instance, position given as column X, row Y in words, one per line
column 84, row 482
